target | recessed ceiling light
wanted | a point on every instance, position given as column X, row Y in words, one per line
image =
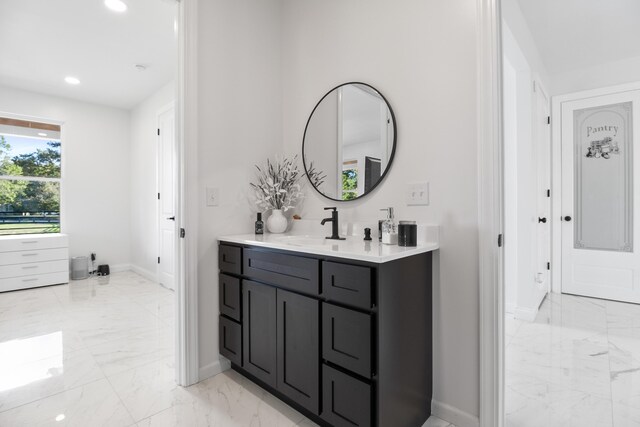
column 116, row 5
column 42, row 134
column 72, row 80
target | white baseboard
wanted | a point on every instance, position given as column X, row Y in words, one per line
column 453, row 415
column 530, row 314
column 144, row 273
column 527, row 314
column 119, row 268
column 213, row 368
column 509, row 308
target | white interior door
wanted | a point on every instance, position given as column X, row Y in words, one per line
column 542, row 152
column 600, row 194
column 166, row 197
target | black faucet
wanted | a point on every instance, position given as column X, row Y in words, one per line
column 334, row 224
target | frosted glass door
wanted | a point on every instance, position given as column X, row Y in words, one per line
column 603, row 158
column 599, row 198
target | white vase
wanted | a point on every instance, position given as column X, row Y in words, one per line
column 277, row 222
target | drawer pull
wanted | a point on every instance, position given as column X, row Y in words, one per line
column 29, row 254
column 30, row 267
column 35, row 279
column 29, row 241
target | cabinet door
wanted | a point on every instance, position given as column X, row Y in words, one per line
column 299, row 349
column 259, row 331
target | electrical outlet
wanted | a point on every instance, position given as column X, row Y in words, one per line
column 212, row 196
column 417, row 194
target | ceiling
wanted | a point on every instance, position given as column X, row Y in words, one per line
column 43, row 41
column 572, row 34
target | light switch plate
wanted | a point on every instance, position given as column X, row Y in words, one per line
column 417, row 194
column 212, row 196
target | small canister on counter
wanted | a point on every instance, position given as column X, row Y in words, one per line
column 407, row 233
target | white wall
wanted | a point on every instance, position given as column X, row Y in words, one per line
column 95, row 162
column 597, row 76
column 523, row 294
column 143, row 184
column 510, row 105
column 422, row 57
column 240, row 125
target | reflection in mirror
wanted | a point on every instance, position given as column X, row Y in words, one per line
column 349, row 141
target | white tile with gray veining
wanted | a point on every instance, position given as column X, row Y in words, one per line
column 100, row 352
column 577, row 364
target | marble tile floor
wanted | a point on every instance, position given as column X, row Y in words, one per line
column 576, row 365
column 100, row 352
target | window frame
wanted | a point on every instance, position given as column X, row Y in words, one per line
column 59, row 180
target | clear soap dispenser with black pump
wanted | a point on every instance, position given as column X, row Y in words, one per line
column 389, row 228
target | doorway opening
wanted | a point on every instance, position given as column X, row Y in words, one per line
column 167, row 200
column 571, row 263
column 104, row 92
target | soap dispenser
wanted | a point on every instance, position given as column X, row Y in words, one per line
column 389, row 229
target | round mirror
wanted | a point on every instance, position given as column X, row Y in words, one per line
column 349, row 141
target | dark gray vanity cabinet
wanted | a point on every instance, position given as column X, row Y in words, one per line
column 347, row 343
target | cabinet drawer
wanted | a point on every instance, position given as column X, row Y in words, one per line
column 23, row 257
column 230, row 340
column 25, row 282
column 230, row 297
column 230, row 259
column 27, row 243
column 346, row 400
column 287, row 271
column 347, row 284
column 18, row 270
column 346, row 338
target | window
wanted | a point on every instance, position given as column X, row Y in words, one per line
column 350, row 180
column 30, row 177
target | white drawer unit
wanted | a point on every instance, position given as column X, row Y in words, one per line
column 34, row 260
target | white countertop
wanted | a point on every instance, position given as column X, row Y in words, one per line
column 354, row 247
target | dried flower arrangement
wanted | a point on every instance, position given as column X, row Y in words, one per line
column 277, row 184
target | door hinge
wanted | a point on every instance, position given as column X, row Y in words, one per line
column 158, row 131
column 549, row 193
column 548, row 120
column 158, row 196
column 500, row 240
column 182, row 233
column 548, row 266
column 158, row 260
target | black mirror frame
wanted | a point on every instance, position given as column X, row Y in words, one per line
column 393, row 150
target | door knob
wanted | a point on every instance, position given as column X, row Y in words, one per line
column 542, row 220
column 567, row 218
column 172, row 218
